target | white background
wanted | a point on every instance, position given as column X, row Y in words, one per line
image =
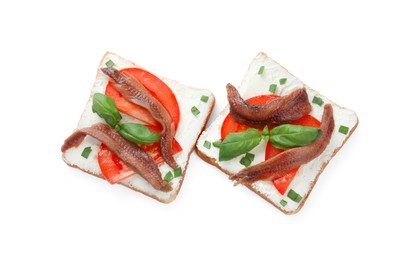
column 360, row 54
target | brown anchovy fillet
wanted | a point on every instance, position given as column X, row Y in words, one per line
column 280, row 164
column 282, row 110
column 135, row 92
column 131, row 154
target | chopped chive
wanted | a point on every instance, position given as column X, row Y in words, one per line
column 294, row 196
column 343, row 129
column 247, row 159
column 204, row 98
column 273, row 88
column 86, row 152
column 169, row 177
column 217, row 144
column 109, row 63
column 250, row 156
column 261, row 70
column 195, row 111
column 282, row 81
column 178, row 172
column 207, row 144
column 318, row 101
column 283, row 203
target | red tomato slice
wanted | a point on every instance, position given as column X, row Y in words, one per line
column 281, row 184
column 154, row 150
column 131, row 109
column 158, row 89
column 114, row 170
column 230, row 125
column 306, row 120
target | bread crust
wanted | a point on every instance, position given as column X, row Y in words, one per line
column 174, row 194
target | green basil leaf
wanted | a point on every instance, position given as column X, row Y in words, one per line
column 105, row 107
column 289, row 136
column 238, row 143
column 137, row 133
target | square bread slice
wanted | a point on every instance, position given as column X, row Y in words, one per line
column 189, row 128
column 258, row 82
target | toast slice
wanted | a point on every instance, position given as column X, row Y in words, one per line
column 257, row 81
column 189, row 128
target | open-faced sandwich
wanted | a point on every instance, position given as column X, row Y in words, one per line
column 138, row 129
column 276, row 135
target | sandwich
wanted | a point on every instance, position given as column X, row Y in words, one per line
column 277, row 135
column 138, row 129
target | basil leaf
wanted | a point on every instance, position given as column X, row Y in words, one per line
column 289, row 136
column 137, row 133
column 105, row 107
column 238, row 143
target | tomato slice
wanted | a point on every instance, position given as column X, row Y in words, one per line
column 154, row 150
column 230, row 125
column 131, row 109
column 113, row 169
column 158, row 89
column 281, row 184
